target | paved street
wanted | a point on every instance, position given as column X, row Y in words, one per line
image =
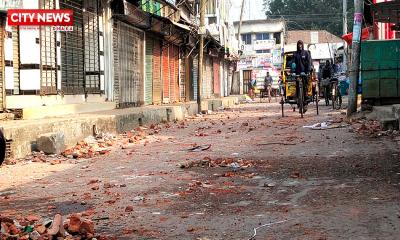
column 252, row 168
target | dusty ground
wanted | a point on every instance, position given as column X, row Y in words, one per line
column 326, row 184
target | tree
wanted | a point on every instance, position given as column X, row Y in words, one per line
column 310, row 14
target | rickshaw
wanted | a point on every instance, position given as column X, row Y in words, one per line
column 293, row 87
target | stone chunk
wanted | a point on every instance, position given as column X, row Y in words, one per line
column 389, row 124
column 51, row 143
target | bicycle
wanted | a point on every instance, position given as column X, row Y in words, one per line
column 336, row 95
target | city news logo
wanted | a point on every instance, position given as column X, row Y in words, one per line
column 58, row 19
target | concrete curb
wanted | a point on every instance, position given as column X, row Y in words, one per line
column 24, row 133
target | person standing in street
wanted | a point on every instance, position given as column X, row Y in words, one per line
column 327, row 73
column 268, row 85
column 252, row 87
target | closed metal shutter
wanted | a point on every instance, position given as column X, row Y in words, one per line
column 172, row 65
column 149, row 71
column 72, row 51
column 208, row 79
column 182, row 79
column 80, row 49
column 175, row 75
column 165, row 73
column 195, row 76
column 217, row 82
column 128, row 58
column 157, row 84
column 2, row 82
column 226, row 79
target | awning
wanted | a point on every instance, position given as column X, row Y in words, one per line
column 180, row 25
column 349, row 37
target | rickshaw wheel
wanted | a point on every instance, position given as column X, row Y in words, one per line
column 317, row 101
column 300, row 99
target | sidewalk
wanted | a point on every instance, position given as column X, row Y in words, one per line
column 22, row 134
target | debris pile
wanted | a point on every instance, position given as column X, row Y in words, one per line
column 103, row 143
column 139, row 134
column 91, row 147
column 367, row 128
column 235, row 164
column 53, row 159
column 35, row 228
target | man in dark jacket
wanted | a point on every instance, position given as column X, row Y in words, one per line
column 327, row 74
column 302, row 58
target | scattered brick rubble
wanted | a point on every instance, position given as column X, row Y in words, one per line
column 36, row 228
column 92, row 146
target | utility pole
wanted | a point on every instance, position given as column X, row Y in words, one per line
column 201, row 54
column 236, row 81
column 355, row 56
column 240, row 23
column 344, row 16
column 345, row 32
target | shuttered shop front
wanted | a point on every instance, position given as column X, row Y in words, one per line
column 128, row 64
column 194, row 78
column 226, row 78
column 157, row 84
column 182, row 79
column 80, row 50
column 217, row 82
column 165, row 73
column 174, row 80
column 208, row 78
column 149, row 71
column 170, row 73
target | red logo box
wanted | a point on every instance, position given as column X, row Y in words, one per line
column 40, row 17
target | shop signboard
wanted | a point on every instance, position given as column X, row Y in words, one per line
column 277, row 57
column 264, row 44
column 263, row 61
column 245, row 63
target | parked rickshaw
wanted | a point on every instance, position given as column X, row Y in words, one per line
column 295, row 92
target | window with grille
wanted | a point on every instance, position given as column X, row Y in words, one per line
column 246, row 39
column 263, row 51
column 262, row 36
column 48, row 54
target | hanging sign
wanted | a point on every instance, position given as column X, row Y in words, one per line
column 357, row 27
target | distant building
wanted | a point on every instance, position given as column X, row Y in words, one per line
column 262, row 44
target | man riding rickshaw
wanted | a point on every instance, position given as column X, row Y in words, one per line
column 298, row 79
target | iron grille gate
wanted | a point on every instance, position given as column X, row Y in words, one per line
column 92, row 47
column 80, row 52
column 2, row 82
column 195, row 74
column 48, row 55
